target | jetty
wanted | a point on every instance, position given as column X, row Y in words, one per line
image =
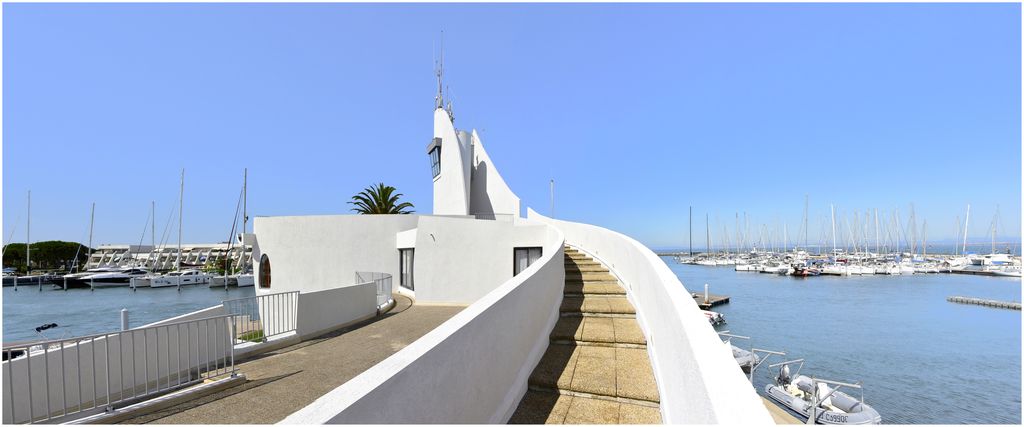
column 713, row 300
column 1011, row 305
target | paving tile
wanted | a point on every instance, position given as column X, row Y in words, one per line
column 568, row 328
column 636, row 414
column 628, row 331
column 596, row 305
column 541, row 408
column 555, row 369
column 598, row 329
column 596, row 352
column 592, row 411
column 620, row 305
column 603, row 288
column 571, row 304
column 633, row 375
column 594, row 375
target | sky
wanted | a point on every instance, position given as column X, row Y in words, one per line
column 637, row 112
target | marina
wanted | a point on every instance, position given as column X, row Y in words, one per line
column 901, row 349
column 395, row 273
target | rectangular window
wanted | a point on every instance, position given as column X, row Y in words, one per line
column 406, row 259
column 524, row 257
column 435, row 161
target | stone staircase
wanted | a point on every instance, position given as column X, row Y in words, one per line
column 596, row 369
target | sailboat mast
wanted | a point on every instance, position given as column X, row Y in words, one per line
column 28, row 237
column 805, row 221
column 181, row 199
column 924, row 238
column 966, row 221
column 245, row 189
column 833, row 229
column 876, row 232
column 691, row 231
column 707, row 233
column 92, row 216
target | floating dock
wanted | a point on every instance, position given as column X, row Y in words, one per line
column 985, row 302
column 713, row 300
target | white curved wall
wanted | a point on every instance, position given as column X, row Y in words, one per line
column 697, row 377
column 451, row 186
column 490, row 196
column 471, row 369
column 310, row 253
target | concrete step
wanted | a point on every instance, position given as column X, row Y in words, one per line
column 593, row 288
column 593, row 268
column 591, row 304
column 552, row 407
column 588, row 275
column 607, row 372
column 577, row 255
column 598, row 331
column 580, row 262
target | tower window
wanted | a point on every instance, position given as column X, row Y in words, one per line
column 434, row 150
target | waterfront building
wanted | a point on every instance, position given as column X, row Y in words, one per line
column 494, row 316
column 538, row 293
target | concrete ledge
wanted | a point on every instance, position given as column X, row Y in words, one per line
column 161, row 402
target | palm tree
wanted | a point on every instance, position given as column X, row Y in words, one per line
column 380, row 199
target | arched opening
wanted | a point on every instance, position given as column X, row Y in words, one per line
column 264, row 271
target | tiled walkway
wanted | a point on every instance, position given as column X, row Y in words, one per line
column 596, row 369
column 283, row 381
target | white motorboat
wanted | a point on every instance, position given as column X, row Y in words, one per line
column 122, row 277
column 180, row 278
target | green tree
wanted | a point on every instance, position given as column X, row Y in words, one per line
column 380, row 199
column 47, row 255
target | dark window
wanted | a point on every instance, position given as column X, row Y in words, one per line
column 524, row 257
column 264, row 271
column 406, row 269
column 435, row 161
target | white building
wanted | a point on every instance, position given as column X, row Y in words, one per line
column 477, row 249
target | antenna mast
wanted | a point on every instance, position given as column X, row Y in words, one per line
column 439, row 72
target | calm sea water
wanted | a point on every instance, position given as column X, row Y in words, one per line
column 922, row 360
column 84, row 312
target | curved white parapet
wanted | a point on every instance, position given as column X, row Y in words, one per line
column 697, row 377
column 473, row 368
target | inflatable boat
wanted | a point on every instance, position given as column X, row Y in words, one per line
column 833, row 407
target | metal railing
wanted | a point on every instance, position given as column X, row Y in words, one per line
column 260, row 317
column 383, row 281
column 50, row 381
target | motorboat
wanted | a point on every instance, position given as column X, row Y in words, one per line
column 804, row 271
column 74, row 280
column 239, row 280
column 110, row 279
column 180, row 278
column 812, row 398
column 714, row 317
column 744, row 358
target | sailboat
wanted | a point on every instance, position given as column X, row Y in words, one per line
column 179, row 277
column 245, row 277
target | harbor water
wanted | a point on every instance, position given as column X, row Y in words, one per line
column 922, row 359
column 83, row 312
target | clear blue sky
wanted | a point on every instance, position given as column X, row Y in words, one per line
column 636, row 111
